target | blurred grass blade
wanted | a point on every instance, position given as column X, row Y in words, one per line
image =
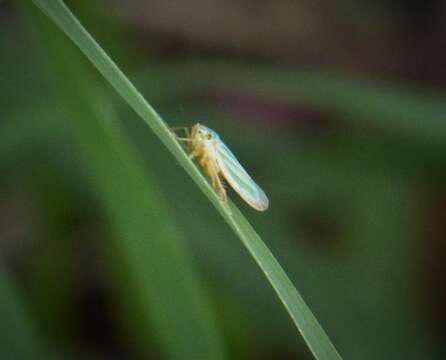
column 414, row 113
column 315, row 337
column 159, row 288
column 18, row 340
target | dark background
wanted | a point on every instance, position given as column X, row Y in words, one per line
column 337, row 109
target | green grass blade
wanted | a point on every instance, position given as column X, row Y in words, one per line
column 157, row 283
column 312, row 332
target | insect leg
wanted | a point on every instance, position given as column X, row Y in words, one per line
column 180, row 128
column 188, row 138
column 219, row 188
column 192, row 155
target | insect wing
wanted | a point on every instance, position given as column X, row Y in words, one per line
column 238, row 178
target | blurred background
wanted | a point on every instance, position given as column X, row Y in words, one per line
column 337, row 109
